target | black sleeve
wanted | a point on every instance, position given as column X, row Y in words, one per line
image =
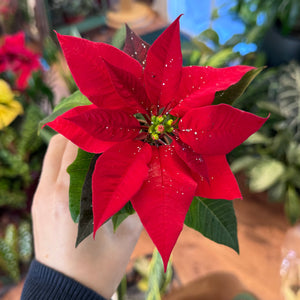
column 44, row 283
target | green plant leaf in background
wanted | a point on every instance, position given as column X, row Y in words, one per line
column 242, row 163
column 215, row 219
column 119, row 37
column 265, row 173
column 245, row 296
column 11, row 237
column 218, row 59
column 235, row 91
column 76, row 99
column 29, row 141
column 14, row 199
column 85, row 226
column 210, row 35
column 277, row 192
column 77, row 171
column 9, row 253
column 25, row 242
column 157, row 279
column 292, row 205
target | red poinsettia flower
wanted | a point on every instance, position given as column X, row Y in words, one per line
column 162, row 141
column 15, row 57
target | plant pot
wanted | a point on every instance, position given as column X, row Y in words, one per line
column 280, row 49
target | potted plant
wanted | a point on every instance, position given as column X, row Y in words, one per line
column 271, row 159
column 275, row 25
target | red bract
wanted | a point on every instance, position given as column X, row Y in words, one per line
column 163, row 140
column 16, row 58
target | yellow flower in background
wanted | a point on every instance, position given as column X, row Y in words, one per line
column 9, row 107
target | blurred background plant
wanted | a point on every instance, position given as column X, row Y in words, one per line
column 25, row 98
column 10, row 11
column 260, row 15
column 271, row 158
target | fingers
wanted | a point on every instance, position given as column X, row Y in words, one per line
column 52, row 160
column 132, row 225
column 69, row 156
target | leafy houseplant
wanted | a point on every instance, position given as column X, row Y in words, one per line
column 76, row 10
column 22, row 92
column 275, row 25
column 271, row 158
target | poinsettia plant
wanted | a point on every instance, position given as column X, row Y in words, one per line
column 19, row 60
column 154, row 137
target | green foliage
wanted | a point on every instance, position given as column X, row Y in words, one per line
column 76, row 99
column 266, row 13
column 15, row 248
column 271, row 158
column 25, row 242
column 154, row 281
column 21, row 155
column 13, row 199
column 85, row 226
column 215, row 219
column 78, row 7
column 21, row 152
column 77, row 171
column 158, row 281
column 29, row 142
column 206, row 50
column 118, row 39
column 265, row 173
column 235, row 91
column 244, row 296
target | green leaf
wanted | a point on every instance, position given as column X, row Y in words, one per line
column 76, row 99
column 157, row 280
column 292, row 205
column 9, row 261
column 13, row 199
column 235, row 91
column 122, row 214
column 293, row 153
column 25, row 242
column 258, row 138
column 122, row 289
column 215, row 219
column 202, row 48
column 218, row 59
column 85, row 226
column 119, row 37
column 277, row 192
column 78, row 171
column 46, row 134
column 245, row 296
column 29, row 141
column 11, row 237
column 270, row 107
column 211, row 35
column 242, row 163
column 264, row 174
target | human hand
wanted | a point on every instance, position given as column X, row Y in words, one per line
column 98, row 264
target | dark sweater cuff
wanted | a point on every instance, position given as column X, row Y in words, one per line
column 45, row 283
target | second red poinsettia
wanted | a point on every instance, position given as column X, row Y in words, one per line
column 162, row 141
column 18, row 59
